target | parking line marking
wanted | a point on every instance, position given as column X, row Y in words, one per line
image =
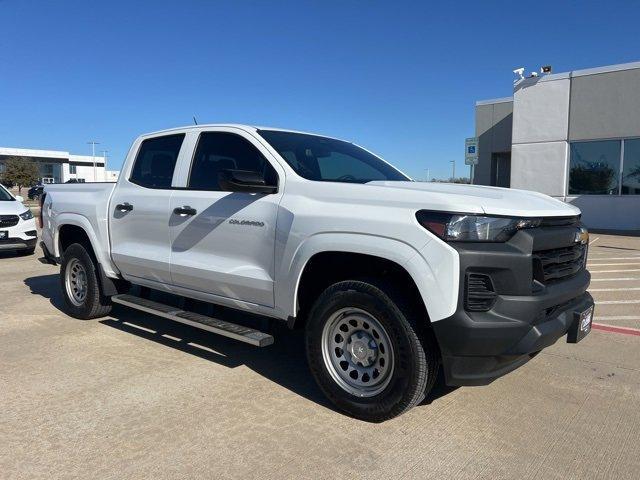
column 612, row 264
column 628, row 289
column 615, row 271
column 609, row 328
column 139, row 327
column 170, row 337
column 594, row 240
column 637, row 257
column 617, row 302
column 615, row 279
column 612, row 318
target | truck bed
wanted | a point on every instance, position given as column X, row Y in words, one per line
column 84, row 205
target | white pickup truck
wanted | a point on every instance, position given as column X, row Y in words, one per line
column 392, row 279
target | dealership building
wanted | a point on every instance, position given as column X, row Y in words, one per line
column 574, row 136
column 59, row 167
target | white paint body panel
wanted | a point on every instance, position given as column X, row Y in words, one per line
column 259, row 268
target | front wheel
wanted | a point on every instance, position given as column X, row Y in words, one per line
column 365, row 352
column 81, row 290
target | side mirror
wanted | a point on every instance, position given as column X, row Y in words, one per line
column 244, row 181
column 20, row 198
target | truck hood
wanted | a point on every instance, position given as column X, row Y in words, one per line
column 478, row 199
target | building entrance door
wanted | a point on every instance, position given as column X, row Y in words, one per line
column 501, row 169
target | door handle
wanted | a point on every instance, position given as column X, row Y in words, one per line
column 124, row 207
column 185, row 211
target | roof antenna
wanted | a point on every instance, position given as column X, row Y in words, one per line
column 194, row 120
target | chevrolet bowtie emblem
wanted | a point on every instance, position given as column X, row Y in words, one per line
column 582, row 236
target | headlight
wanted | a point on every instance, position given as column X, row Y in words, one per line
column 455, row 227
column 26, row 215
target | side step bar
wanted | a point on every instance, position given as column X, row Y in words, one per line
column 231, row 330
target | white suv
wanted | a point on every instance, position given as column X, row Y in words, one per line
column 17, row 225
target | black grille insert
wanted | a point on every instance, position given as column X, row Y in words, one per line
column 480, row 294
column 560, row 221
column 559, row 263
column 8, row 221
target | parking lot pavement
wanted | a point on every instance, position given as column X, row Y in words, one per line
column 614, row 262
column 134, row 396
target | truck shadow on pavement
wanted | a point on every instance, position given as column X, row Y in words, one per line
column 284, row 362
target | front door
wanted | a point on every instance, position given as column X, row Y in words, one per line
column 139, row 213
column 222, row 243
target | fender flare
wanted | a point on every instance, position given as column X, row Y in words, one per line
column 83, row 222
column 401, row 253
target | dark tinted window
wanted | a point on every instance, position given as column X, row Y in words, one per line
column 594, row 168
column 329, row 160
column 218, row 151
column 156, row 161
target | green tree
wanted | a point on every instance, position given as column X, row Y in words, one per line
column 20, row 171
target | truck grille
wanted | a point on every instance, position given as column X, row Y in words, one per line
column 560, row 221
column 8, row 221
column 559, row 263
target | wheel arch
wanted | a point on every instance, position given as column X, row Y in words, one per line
column 368, row 254
column 75, row 231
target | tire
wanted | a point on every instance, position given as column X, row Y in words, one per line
column 342, row 335
column 82, row 299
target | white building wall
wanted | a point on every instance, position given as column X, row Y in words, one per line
column 550, row 111
column 541, row 109
column 539, row 154
column 540, row 167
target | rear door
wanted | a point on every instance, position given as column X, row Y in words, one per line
column 224, row 244
column 139, row 212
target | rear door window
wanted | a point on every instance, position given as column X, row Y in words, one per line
column 156, row 161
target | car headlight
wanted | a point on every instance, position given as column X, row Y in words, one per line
column 460, row 227
column 26, row 215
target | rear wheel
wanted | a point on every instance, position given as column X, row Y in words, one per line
column 83, row 297
column 365, row 352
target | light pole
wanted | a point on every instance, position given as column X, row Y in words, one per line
column 93, row 144
column 428, row 174
column 453, row 169
column 104, row 156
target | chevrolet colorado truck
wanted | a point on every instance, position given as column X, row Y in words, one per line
column 391, row 279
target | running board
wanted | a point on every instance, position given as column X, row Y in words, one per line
column 231, row 330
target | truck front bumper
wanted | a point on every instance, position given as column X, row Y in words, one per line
column 479, row 347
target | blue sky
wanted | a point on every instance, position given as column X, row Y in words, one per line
column 400, row 78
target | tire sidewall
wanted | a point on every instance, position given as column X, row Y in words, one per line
column 405, row 378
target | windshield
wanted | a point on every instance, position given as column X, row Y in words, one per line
column 328, row 160
column 4, row 195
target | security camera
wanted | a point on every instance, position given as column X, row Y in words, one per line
column 545, row 69
column 519, row 72
column 534, row 74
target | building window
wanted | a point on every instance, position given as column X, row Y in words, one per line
column 595, row 168
column 631, row 167
column 73, row 169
